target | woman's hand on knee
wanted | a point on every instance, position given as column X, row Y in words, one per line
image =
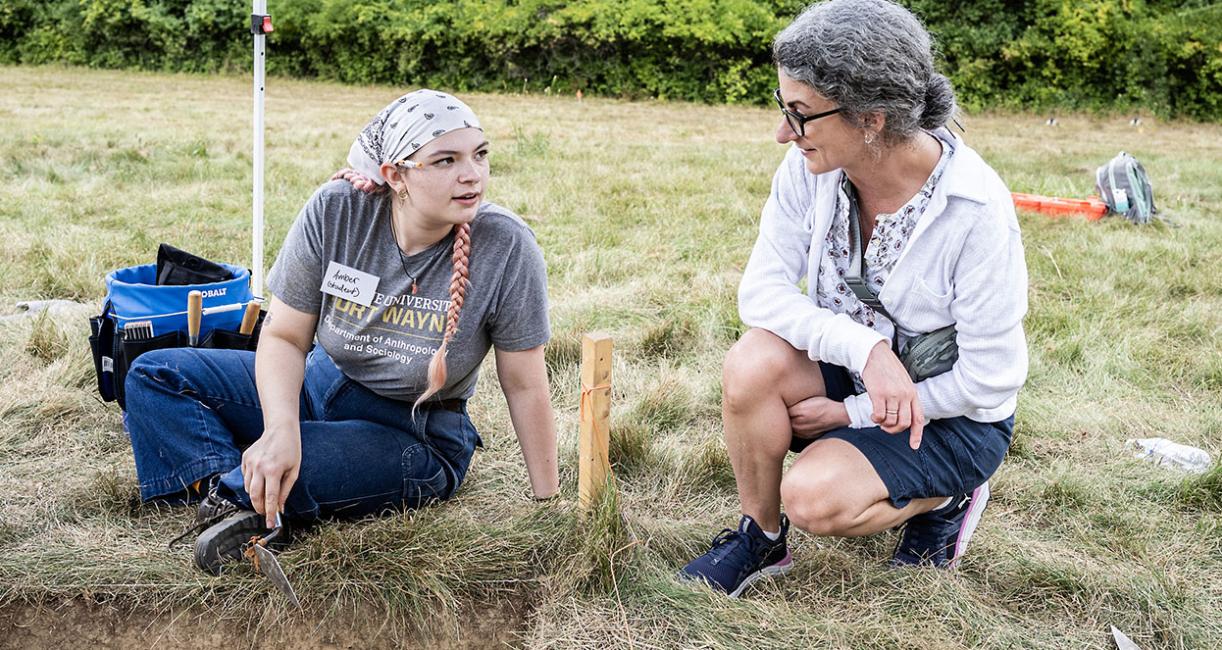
column 269, row 470
column 893, row 395
column 817, row 415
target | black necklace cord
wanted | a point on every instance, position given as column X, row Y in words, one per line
column 394, row 238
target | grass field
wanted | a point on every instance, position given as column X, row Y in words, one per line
column 646, row 213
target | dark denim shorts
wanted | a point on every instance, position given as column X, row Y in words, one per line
column 956, row 455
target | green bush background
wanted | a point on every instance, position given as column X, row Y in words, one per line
column 1156, row 55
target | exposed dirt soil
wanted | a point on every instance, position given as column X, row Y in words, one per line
column 78, row 625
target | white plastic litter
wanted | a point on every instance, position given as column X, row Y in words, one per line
column 1166, row 453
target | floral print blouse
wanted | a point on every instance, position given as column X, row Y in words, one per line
column 891, row 233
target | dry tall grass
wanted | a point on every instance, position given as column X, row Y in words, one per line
column 646, row 213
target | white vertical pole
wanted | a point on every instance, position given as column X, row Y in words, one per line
column 256, row 263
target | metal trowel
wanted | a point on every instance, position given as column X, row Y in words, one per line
column 266, row 563
column 1123, row 642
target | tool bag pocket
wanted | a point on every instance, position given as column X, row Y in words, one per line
column 113, row 354
column 232, row 340
column 126, row 352
column 101, row 345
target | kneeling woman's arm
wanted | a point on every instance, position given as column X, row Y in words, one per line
column 523, row 377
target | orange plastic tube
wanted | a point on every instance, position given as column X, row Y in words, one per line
column 1093, row 209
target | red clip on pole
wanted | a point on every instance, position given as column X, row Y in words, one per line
column 261, row 24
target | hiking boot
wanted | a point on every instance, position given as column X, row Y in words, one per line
column 740, row 557
column 940, row 537
column 212, row 508
column 225, row 540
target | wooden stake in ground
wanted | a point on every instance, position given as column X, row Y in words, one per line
column 594, row 468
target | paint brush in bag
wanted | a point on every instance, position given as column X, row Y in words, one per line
column 138, row 330
column 195, row 312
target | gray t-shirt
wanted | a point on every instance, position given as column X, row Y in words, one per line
column 387, row 346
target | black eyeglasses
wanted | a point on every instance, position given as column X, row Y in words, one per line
column 797, row 121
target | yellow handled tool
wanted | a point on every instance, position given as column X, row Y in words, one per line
column 195, row 312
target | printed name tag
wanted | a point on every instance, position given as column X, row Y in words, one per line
column 350, row 284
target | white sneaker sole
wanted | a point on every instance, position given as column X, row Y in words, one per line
column 780, row 568
column 980, row 499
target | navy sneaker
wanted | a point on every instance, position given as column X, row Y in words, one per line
column 939, row 537
column 740, row 557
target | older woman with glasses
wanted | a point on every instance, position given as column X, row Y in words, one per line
column 384, row 305
column 894, row 373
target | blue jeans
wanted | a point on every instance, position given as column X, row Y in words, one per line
column 192, row 412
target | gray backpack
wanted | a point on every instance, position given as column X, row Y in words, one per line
column 1125, row 188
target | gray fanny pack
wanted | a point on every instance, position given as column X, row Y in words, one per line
column 925, row 355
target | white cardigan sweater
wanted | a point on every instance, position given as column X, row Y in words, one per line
column 963, row 265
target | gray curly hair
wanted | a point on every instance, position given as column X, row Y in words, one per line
column 868, row 56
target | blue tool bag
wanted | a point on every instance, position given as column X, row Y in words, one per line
column 146, row 309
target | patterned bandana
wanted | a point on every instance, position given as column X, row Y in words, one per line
column 406, row 125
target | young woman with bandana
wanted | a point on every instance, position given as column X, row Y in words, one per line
column 404, row 290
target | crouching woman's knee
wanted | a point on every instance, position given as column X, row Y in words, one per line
column 813, row 503
column 753, row 368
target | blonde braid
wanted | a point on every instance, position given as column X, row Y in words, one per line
column 458, row 292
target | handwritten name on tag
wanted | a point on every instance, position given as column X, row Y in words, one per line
column 350, row 284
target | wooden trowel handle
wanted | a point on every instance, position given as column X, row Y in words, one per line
column 195, row 311
column 249, row 318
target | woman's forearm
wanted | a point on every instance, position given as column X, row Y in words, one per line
column 279, row 373
column 530, row 410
